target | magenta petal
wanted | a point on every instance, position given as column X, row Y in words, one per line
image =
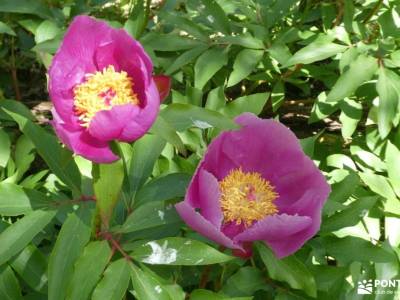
column 145, row 118
column 209, row 198
column 108, row 125
column 81, row 143
column 276, row 231
column 197, row 222
column 163, row 83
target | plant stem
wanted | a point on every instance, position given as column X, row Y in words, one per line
column 14, row 72
column 373, row 11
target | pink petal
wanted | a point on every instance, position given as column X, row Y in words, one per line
column 81, row 143
column 277, row 231
column 198, row 223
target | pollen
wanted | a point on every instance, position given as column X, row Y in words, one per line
column 246, row 197
column 102, row 91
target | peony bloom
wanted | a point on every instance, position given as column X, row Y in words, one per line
column 256, row 184
column 102, row 88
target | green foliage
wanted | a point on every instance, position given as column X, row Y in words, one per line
column 329, row 70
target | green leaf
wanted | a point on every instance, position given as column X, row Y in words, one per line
column 88, row 269
column 156, row 215
column 114, row 283
column 251, row 103
column 182, row 116
column 208, row 63
column 165, row 130
column 16, row 107
column 393, row 166
column 350, row 116
column 107, row 194
column 59, row 160
column 47, row 30
column 244, row 64
column 25, row 7
column 169, row 42
column 289, row 269
column 277, row 95
column 201, row 294
column 167, row 187
column 146, row 151
column 308, row 144
column 15, row 200
column 20, row 233
column 9, row 286
column 73, row 236
column 146, row 286
column 4, row 28
column 177, row 251
column 184, row 24
column 216, row 99
column 315, row 51
column 378, row 184
column 349, row 216
column 216, row 16
column 343, row 249
column 5, row 148
column 369, row 159
column 31, row 266
column 185, row 58
column 245, row 40
column 359, row 71
column 389, row 93
column 244, row 282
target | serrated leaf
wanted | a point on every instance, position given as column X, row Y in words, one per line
column 244, row 64
column 114, row 283
column 208, row 63
column 88, row 269
column 74, row 235
column 20, row 233
column 289, row 269
column 359, row 71
column 177, row 251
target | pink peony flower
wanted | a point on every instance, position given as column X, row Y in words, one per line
column 256, row 184
column 102, row 88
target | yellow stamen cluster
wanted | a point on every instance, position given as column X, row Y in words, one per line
column 101, row 91
column 246, row 197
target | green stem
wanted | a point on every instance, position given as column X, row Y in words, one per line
column 373, row 11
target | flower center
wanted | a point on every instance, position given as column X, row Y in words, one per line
column 246, row 197
column 101, row 91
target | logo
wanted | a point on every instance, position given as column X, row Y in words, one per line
column 365, row 287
